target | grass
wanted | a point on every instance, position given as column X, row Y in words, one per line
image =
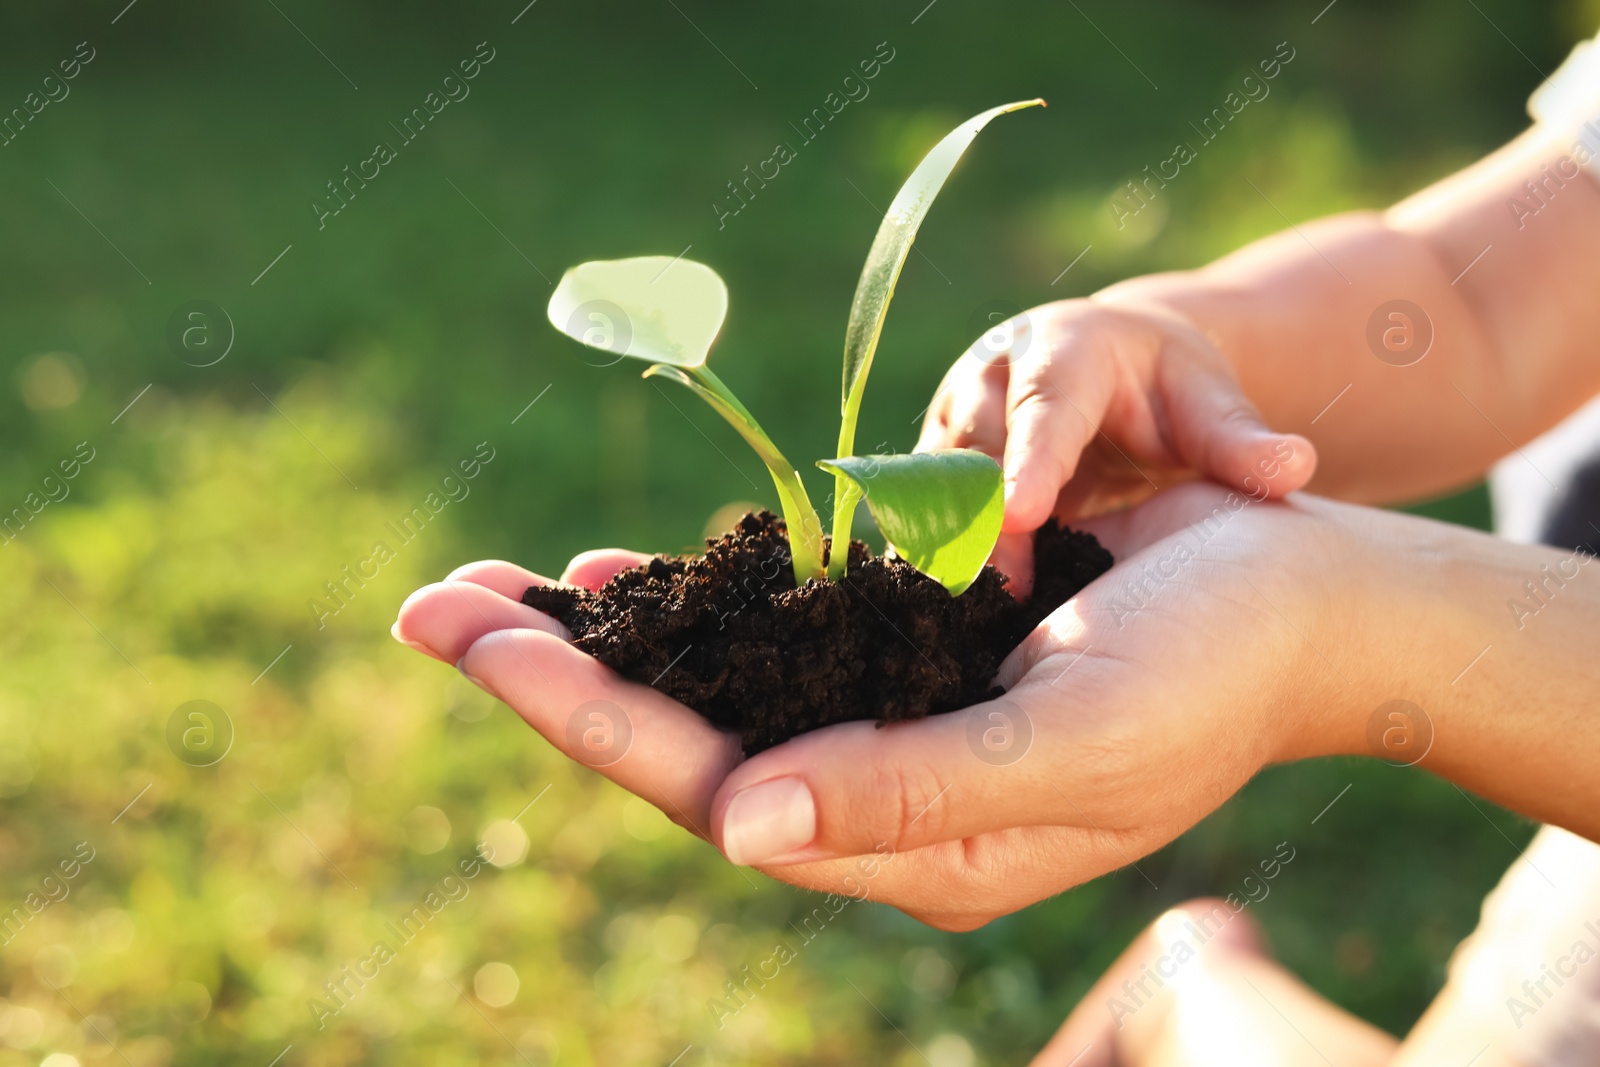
column 378, row 352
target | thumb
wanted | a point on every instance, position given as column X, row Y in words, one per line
column 854, row 787
column 1219, row 433
column 1013, row 557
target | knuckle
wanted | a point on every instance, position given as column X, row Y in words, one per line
column 980, row 434
column 1237, row 412
column 984, row 360
column 1034, row 400
column 1080, row 320
column 914, row 803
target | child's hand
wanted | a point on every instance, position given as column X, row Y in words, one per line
column 1095, row 404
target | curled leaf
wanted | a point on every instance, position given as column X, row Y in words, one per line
column 940, row 510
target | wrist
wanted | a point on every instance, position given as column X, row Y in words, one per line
column 1443, row 619
column 1503, row 664
column 1395, row 607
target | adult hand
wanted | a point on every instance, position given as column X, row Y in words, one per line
column 1230, row 635
column 1131, row 713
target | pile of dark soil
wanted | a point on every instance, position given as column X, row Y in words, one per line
column 729, row 635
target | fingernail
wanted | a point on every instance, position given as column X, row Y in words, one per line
column 394, row 632
column 479, row 682
column 768, row 820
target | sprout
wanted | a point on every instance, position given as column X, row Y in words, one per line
column 940, row 511
column 667, row 312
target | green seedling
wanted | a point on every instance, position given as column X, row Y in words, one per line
column 940, row 511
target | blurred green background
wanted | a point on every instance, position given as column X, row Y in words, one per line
column 380, row 350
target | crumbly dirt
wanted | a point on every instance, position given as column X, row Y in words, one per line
column 729, row 634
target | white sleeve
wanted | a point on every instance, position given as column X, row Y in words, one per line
column 1569, row 102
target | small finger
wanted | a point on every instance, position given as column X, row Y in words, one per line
column 507, row 579
column 1056, row 402
column 1216, row 429
column 935, row 417
column 1013, row 557
column 444, row 619
column 977, row 415
column 596, row 567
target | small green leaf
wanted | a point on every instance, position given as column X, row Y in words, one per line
column 666, row 311
column 940, row 510
column 654, row 308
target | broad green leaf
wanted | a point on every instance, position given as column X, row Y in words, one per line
column 876, row 287
column 940, row 510
column 667, row 311
column 654, row 308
